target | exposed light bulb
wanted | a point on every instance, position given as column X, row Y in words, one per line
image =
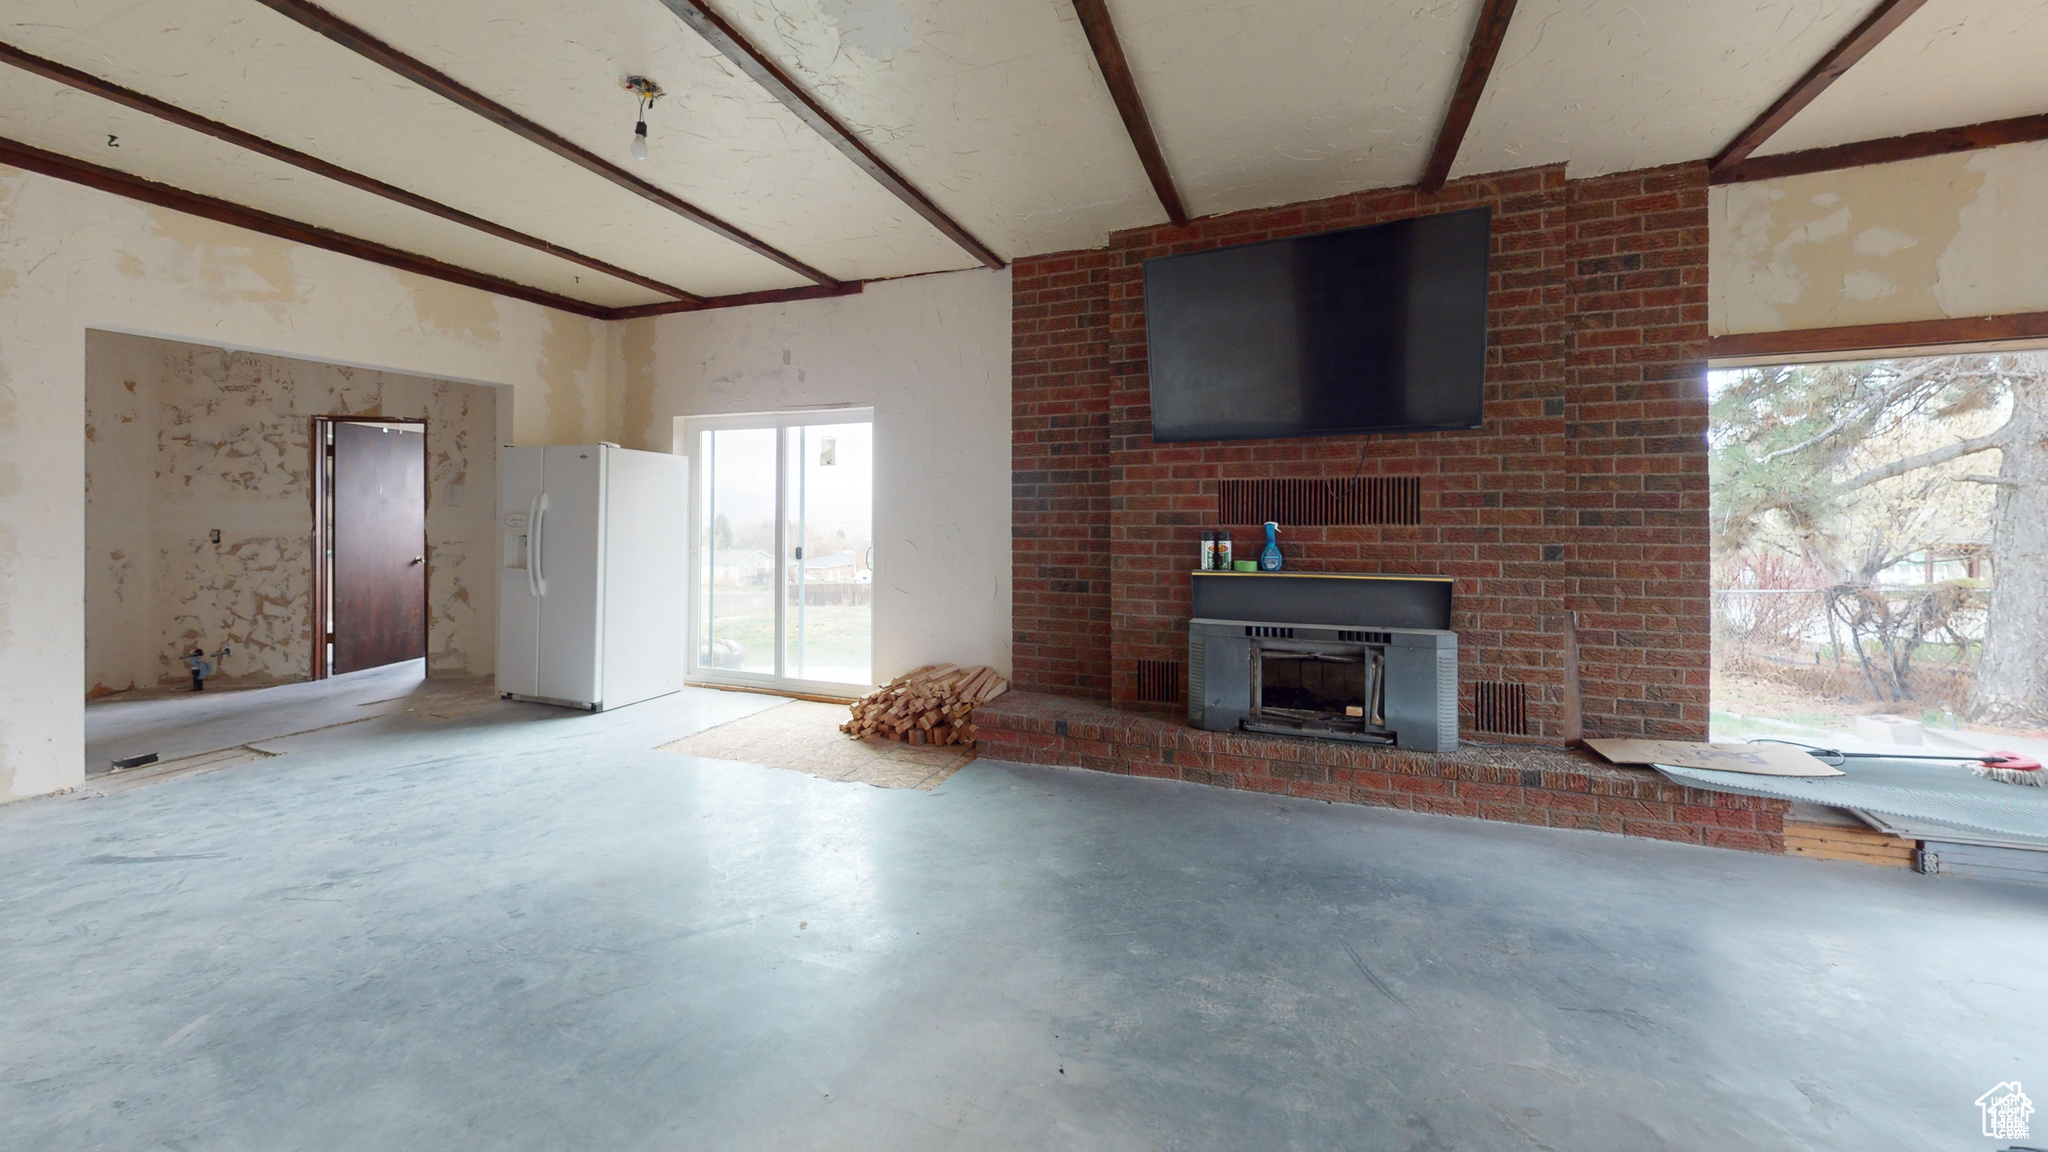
column 645, row 93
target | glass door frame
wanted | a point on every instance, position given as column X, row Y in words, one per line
column 690, row 430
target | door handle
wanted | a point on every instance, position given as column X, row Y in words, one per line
column 532, row 544
column 540, row 544
column 419, row 559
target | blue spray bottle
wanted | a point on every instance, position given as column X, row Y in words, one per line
column 1269, row 559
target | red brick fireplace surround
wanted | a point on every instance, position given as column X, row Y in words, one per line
column 1574, row 522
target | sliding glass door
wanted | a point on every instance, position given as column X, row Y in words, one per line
column 782, row 563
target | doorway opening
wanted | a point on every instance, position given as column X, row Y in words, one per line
column 370, row 531
column 207, row 542
column 782, row 565
column 1876, row 533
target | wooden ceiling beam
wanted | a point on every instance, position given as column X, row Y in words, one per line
column 52, row 164
column 1882, row 22
column 171, row 113
column 742, row 299
column 1938, row 142
column 1123, row 88
column 1487, row 36
column 378, row 52
column 770, row 76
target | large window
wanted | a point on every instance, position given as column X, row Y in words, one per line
column 1880, row 535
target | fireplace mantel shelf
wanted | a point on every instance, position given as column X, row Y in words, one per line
column 1339, row 599
column 1324, row 575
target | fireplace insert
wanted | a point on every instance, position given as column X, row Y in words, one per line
column 1364, row 658
column 1319, row 689
column 1394, row 686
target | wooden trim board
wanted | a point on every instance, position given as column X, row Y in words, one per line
column 1853, row 845
column 1890, row 150
column 1876, row 339
column 787, row 695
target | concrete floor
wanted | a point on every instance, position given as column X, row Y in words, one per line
column 529, row 930
column 175, row 723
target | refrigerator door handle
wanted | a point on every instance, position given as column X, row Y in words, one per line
column 533, row 544
column 535, row 573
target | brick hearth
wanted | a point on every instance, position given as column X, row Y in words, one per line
column 1522, row 785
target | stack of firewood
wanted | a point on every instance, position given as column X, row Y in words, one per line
column 933, row 705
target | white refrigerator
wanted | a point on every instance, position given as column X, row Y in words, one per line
column 591, row 583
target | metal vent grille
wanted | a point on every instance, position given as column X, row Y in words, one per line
column 1310, row 503
column 1349, row 637
column 1159, row 681
column 1500, row 706
column 1447, row 701
column 1269, row 631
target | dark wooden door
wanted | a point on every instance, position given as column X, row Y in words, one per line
column 380, row 546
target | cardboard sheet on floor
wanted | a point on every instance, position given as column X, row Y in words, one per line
column 1749, row 759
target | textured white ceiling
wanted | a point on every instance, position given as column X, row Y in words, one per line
column 717, row 140
column 59, row 119
column 1953, row 62
column 1259, row 103
column 993, row 107
column 244, row 64
column 1611, row 85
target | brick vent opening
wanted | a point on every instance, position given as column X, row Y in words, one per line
column 1159, row 681
column 1500, row 706
column 1319, row 503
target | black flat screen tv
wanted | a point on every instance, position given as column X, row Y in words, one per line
column 1379, row 329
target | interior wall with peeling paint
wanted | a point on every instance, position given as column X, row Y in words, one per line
column 1939, row 237
column 182, row 440
column 73, row 259
column 931, row 356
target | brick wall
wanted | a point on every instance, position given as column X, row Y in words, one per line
column 1060, row 472
column 1583, row 492
column 1636, row 420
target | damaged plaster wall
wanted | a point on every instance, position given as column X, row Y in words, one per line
column 1943, row 236
column 182, row 439
column 73, row 259
column 931, row 356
